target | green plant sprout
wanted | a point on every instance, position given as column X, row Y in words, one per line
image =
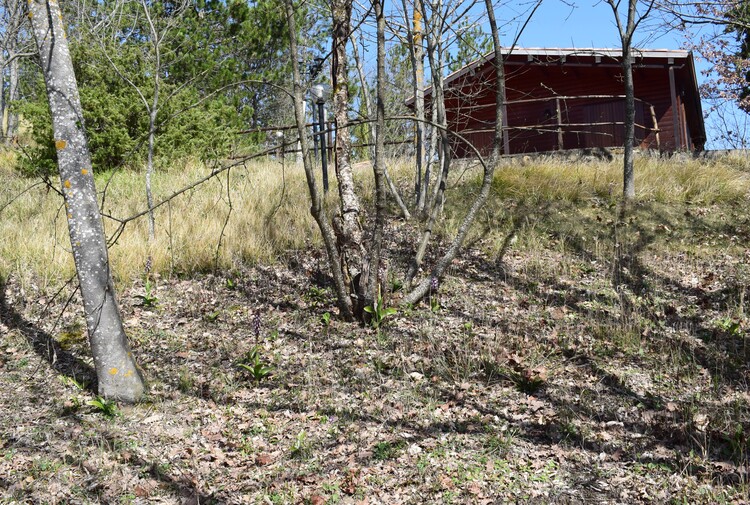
column 378, row 312
column 105, row 406
column 254, row 365
column 148, row 299
column 300, row 447
column 325, row 320
column 729, row 326
column 434, row 304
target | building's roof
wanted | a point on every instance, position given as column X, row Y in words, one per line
column 542, row 54
column 613, row 52
column 590, row 56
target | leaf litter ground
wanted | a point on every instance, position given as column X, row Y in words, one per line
column 554, row 373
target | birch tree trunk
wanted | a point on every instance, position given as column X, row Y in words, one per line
column 118, row 375
column 317, row 209
column 351, row 247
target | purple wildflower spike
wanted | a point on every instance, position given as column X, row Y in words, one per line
column 256, row 324
column 434, row 284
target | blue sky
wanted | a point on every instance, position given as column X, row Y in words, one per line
column 558, row 25
column 589, row 24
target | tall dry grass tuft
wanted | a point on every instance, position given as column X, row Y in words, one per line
column 257, row 214
column 663, row 180
column 269, row 207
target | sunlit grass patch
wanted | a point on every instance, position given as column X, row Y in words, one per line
column 257, row 214
column 258, row 211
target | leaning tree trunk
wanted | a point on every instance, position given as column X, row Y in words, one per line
column 422, row 288
column 116, row 370
column 435, row 205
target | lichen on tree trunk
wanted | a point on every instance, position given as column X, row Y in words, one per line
column 117, row 373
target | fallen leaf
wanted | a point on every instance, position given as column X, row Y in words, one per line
column 264, row 459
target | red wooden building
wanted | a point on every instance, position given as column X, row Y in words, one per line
column 574, row 98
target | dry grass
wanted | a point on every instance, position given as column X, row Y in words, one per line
column 662, row 180
column 266, row 211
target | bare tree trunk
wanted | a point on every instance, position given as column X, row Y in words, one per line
column 628, row 171
column 416, row 54
column 152, row 116
column 11, row 132
column 117, row 373
column 150, row 166
column 365, row 94
column 499, row 84
column 15, row 50
column 627, row 31
column 423, row 287
column 443, row 142
column 379, row 166
column 13, row 14
column 316, row 209
column 4, row 112
column 351, row 247
column 374, row 131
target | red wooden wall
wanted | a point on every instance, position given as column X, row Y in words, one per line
column 551, row 102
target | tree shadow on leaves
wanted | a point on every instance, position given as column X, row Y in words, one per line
column 44, row 345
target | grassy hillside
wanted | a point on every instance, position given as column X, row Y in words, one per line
column 569, row 356
column 256, row 212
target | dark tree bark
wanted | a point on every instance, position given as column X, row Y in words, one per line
column 379, row 166
column 627, row 31
column 351, row 247
column 317, row 209
column 118, row 375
